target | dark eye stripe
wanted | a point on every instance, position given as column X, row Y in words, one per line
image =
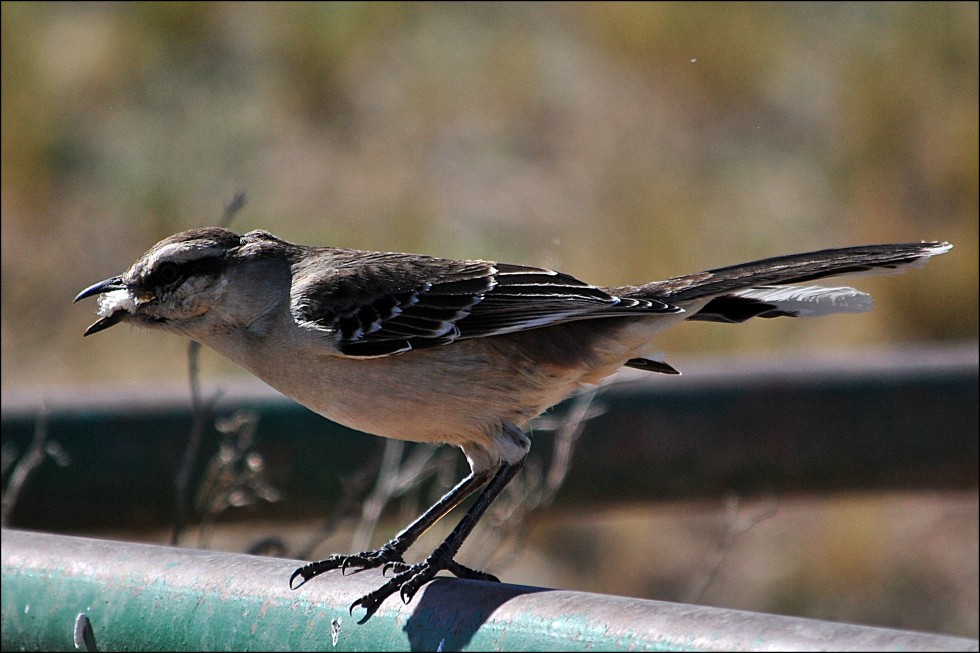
column 170, row 272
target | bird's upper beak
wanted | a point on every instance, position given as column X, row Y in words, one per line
column 109, row 314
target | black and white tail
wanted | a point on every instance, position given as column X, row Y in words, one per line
column 765, row 288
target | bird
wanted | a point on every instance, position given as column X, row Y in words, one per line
column 452, row 351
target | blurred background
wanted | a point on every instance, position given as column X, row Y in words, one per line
column 619, row 142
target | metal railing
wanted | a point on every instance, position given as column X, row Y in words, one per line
column 63, row 593
column 906, row 420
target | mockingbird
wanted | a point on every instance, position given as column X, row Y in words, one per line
column 463, row 352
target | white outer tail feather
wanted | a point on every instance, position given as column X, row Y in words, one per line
column 810, row 301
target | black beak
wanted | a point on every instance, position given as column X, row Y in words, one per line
column 108, row 285
column 115, row 283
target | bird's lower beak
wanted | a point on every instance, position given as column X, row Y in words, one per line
column 116, row 315
column 104, row 323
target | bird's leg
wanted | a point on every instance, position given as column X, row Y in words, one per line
column 391, row 553
column 413, row 577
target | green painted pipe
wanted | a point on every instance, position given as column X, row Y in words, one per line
column 63, row 593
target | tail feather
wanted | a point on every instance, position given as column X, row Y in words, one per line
column 779, row 301
column 794, row 269
column 767, row 288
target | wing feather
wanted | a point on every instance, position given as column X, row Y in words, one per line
column 382, row 304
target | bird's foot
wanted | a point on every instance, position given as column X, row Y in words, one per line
column 409, row 579
column 385, row 556
column 453, row 567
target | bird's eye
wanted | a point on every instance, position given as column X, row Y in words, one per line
column 168, row 272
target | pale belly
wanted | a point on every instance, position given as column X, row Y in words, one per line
column 461, row 393
column 458, row 394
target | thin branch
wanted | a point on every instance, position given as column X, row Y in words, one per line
column 201, row 409
column 733, row 526
column 232, row 208
column 31, row 460
column 202, row 414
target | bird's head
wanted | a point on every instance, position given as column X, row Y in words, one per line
column 181, row 284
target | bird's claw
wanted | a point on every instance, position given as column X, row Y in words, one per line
column 358, row 561
column 370, row 602
column 461, row 571
column 409, row 579
column 398, row 567
column 407, row 583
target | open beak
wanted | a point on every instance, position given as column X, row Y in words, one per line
column 109, row 285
